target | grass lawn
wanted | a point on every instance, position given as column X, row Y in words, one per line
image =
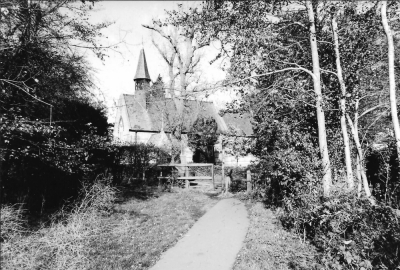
column 145, row 225
column 269, row 246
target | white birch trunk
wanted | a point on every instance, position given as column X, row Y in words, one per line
column 323, row 145
column 346, row 143
column 171, row 75
column 223, row 183
column 359, row 186
column 182, row 81
column 392, row 82
column 354, row 131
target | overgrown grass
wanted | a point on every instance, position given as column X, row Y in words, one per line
column 11, row 222
column 98, row 234
column 269, row 246
column 63, row 244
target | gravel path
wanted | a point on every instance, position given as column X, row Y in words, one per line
column 212, row 243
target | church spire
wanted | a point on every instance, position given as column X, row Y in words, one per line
column 142, row 80
column 142, row 73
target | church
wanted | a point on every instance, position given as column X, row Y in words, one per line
column 151, row 116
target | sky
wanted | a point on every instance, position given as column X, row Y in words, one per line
column 114, row 76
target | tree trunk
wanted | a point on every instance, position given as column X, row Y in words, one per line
column 223, row 184
column 323, row 145
column 392, row 82
column 182, row 81
column 349, row 169
column 183, row 69
column 359, row 186
column 354, row 131
column 171, row 75
column 170, row 60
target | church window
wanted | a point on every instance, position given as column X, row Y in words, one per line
column 120, row 128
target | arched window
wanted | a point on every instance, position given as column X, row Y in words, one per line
column 120, row 128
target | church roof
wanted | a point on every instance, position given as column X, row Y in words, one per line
column 240, row 122
column 141, row 70
column 162, row 114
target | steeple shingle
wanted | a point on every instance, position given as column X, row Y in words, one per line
column 141, row 71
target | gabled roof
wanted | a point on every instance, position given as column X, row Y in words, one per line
column 141, row 70
column 240, row 122
column 161, row 114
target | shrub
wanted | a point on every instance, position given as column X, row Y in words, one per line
column 289, row 160
column 201, row 139
column 99, row 197
column 350, row 232
column 238, row 176
column 136, row 160
column 383, row 174
column 44, row 177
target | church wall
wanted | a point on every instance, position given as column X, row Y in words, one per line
column 130, row 137
column 188, row 154
column 143, row 137
column 121, row 133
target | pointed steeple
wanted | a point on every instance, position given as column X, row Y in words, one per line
column 142, row 73
column 142, row 80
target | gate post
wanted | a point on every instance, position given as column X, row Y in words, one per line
column 187, row 182
column 212, row 175
column 249, row 184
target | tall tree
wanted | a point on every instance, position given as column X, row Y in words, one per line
column 346, row 142
column 323, row 144
column 392, row 80
column 168, row 53
column 250, row 44
column 43, row 65
column 181, row 53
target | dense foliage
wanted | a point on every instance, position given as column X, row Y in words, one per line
column 51, row 123
column 138, row 162
column 202, row 138
column 45, row 176
column 352, row 233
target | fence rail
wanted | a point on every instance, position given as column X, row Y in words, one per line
column 186, row 177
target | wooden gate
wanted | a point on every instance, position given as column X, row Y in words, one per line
column 185, row 168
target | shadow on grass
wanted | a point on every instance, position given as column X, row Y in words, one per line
column 137, row 191
column 213, row 196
